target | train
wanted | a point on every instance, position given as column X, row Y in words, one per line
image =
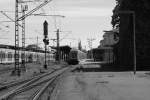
column 75, row 56
column 7, row 55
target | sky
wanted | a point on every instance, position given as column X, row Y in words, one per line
column 84, row 19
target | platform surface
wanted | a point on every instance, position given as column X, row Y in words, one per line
column 103, row 86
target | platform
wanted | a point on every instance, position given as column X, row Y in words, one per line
column 103, row 86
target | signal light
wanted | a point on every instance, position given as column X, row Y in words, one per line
column 45, row 26
column 46, row 41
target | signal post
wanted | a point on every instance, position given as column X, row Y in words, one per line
column 45, row 40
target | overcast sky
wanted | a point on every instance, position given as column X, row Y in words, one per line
column 83, row 19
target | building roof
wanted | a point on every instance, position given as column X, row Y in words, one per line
column 19, row 48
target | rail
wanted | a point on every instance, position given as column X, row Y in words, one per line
column 34, row 83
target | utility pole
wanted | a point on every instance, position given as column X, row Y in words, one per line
column 17, row 69
column 37, row 48
column 17, row 19
column 90, row 40
column 58, row 48
column 37, row 41
column 45, row 66
column 24, row 8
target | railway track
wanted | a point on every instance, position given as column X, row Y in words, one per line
column 32, row 89
column 19, row 82
column 2, row 71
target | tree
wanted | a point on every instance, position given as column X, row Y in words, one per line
column 115, row 16
column 142, row 26
column 140, row 7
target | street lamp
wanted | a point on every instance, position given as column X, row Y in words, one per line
column 134, row 38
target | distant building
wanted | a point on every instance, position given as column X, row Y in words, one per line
column 109, row 38
column 104, row 52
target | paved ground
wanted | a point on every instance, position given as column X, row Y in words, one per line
column 103, row 86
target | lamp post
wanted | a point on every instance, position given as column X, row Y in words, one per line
column 134, row 37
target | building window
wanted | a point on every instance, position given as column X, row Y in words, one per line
column 9, row 56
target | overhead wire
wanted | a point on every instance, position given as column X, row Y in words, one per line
column 53, row 9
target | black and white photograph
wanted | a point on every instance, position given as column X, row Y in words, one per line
column 74, row 50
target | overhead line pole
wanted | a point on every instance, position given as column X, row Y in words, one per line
column 58, row 47
column 12, row 20
column 17, row 69
column 23, row 8
column 17, row 19
column 90, row 45
column 35, row 9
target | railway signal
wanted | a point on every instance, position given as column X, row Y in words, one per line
column 45, row 26
column 45, row 40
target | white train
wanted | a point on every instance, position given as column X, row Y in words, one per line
column 7, row 53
